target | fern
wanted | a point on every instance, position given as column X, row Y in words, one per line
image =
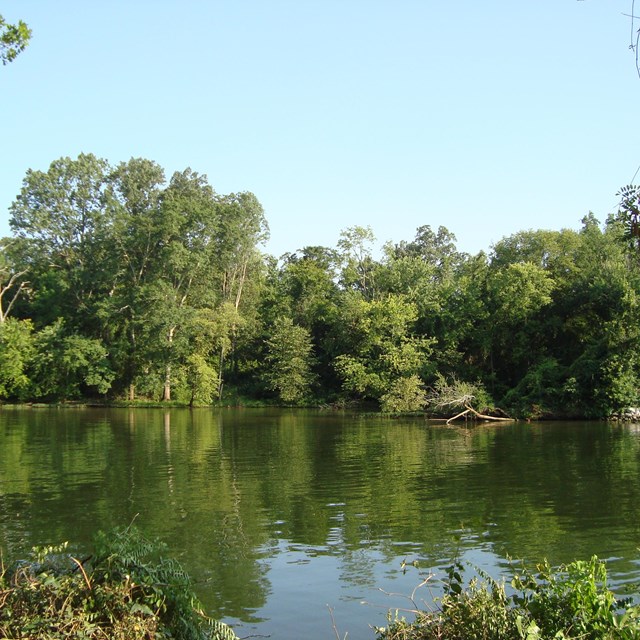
column 126, row 554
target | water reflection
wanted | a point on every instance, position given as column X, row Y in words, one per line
column 278, row 513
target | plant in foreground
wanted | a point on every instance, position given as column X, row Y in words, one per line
column 570, row 603
column 128, row 590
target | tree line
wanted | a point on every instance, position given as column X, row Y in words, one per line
column 118, row 284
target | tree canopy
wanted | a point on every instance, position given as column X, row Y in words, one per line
column 121, row 284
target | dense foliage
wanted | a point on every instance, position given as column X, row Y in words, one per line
column 119, row 285
column 570, row 603
column 126, row 590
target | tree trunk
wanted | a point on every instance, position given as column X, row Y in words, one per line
column 220, row 365
column 166, row 391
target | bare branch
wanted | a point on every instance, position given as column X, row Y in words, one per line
column 4, row 289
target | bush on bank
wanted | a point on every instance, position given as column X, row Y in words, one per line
column 127, row 590
column 571, row 603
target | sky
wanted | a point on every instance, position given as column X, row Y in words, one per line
column 485, row 117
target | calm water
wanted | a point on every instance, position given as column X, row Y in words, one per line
column 287, row 520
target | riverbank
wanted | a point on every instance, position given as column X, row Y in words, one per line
column 628, row 414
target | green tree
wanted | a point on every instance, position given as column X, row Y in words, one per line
column 68, row 366
column 599, row 335
column 201, row 379
column 243, row 227
column 238, row 274
column 185, row 264
column 446, row 287
column 130, row 262
column 137, row 238
column 357, row 272
column 62, row 235
column 288, row 362
column 405, row 395
column 519, row 291
column 14, row 39
column 436, row 249
column 307, row 285
column 378, row 344
column 572, row 348
column 16, row 353
column 519, row 295
column 304, row 288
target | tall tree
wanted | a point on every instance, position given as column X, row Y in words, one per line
column 443, row 283
column 137, row 236
column 355, row 255
column 190, row 214
column 242, row 228
column 134, row 263
column 239, row 264
column 62, row 234
column 304, row 287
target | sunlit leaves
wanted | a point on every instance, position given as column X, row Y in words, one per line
column 405, row 394
column 16, row 351
column 14, row 39
column 289, row 359
column 381, row 346
column 520, row 290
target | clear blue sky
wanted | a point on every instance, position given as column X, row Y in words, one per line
column 485, row 117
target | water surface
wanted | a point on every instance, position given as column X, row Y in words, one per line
column 291, row 521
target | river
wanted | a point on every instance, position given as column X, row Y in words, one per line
column 296, row 524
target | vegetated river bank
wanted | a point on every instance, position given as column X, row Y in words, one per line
column 281, row 515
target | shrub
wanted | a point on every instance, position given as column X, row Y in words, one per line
column 570, row 603
column 405, row 395
column 128, row 590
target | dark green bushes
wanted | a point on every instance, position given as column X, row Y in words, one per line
column 128, row 590
column 571, row 603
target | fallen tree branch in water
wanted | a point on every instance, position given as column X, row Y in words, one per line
column 481, row 416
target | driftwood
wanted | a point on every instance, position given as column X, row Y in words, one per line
column 481, row 416
column 458, row 394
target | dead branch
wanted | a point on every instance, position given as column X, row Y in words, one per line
column 459, row 415
column 480, row 416
column 5, row 288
